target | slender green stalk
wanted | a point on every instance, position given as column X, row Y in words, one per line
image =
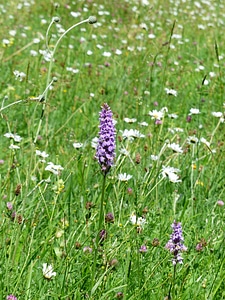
column 44, row 95
column 100, row 226
column 172, row 284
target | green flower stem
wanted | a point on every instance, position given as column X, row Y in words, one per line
column 100, row 226
column 45, row 93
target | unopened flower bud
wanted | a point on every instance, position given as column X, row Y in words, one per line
column 92, row 20
column 55, row 19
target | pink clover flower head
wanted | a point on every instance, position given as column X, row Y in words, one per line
column 105, row 153
column 220, row 203
column 11, row 297
column 143, row 249
column 175, row 244
column 9, row 205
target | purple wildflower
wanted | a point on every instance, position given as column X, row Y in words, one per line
column 87, row 249
column 102, row 235
column 175, row 244
column 119, row 295
column 143, row 249
column 199, row 247
column 109, row 218
column 9, row 205
column 11, row 297
column 188, row 119
column 106, row 143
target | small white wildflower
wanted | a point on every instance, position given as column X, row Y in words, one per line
column 173, row 116
column 12, row 32
column 146, row 93
column 89, row 52
column 130, row 48
column 156, row 115
column 124, row 177
column 175, row 147
column 133, row 218
column 14, row 147
column 151, row 36
column 131, row 134
column 75, row 14
column 128, row 120
column 212, row 74
column 192, row 140
column 143, row 123
column 118, row 52
column 200, row 26
column 78, row 145
column 70, row 69
column 107, row 54
column 217, row 114
column 19, row 75
column 99, row 46
column 6, row 42
column 170, row 172
column 47, row 271
column 94, row 142
column 46, row 54
column 15, row 137
column 175, row 129
column 140, row 221
column 124, row 151
column 55, row 169
column 204, row 141
column 42, row 154
column 194, row 111
column 36, row 40
column 171, row 92
column 154, row 157
column 33, row 53
column 144, row 26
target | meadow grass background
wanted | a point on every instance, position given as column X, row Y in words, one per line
column 127, row 59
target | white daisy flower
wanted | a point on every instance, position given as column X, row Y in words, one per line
column 41, row 154
column 154, row 157
column 14, row 147
column 78, row 145
column 131, row 134
column 204, row 141
column 192, row 140
column 107, row 54
column 156, row 115
column 55, row 169
column 94, row 142
column 140, row 222
column 170, row 172
column 171, row 92
column 19, row 75
column 15, row 137
column 194, row 111
column 128, row 120
column 124, row 177
column 47, row 271
column 175, row 147
column 217, row 114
